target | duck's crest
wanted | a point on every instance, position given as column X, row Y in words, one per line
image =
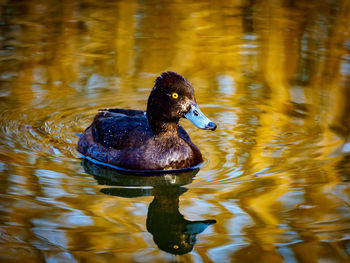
column 167, row 79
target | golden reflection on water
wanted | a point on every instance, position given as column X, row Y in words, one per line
column 274, row 76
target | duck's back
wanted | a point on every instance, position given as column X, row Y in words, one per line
column 121, row 129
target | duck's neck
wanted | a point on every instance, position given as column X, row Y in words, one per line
column 165, row 127
column 158, row 116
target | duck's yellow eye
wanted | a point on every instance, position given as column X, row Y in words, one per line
column 175, row 95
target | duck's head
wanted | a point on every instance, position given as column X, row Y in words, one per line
column 172, row 98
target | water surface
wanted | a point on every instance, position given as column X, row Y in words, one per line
column 273, row 75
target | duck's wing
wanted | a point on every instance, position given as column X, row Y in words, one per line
column 121, row 129
column 182, row 132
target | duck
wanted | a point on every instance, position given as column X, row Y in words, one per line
column 151, row 140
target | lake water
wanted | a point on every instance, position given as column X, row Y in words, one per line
column 273, row 75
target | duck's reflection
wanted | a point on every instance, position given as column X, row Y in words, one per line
column 171, row 231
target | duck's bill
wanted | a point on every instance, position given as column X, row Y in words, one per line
column 199, row 119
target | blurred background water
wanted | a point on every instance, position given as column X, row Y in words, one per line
column 273, row 75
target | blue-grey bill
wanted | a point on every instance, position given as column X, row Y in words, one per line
column 199, row 119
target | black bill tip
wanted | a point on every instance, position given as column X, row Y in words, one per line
column 211, row 126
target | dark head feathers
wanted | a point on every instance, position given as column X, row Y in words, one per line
column 168, row 79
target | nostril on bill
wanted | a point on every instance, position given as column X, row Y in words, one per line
column 195, row 113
